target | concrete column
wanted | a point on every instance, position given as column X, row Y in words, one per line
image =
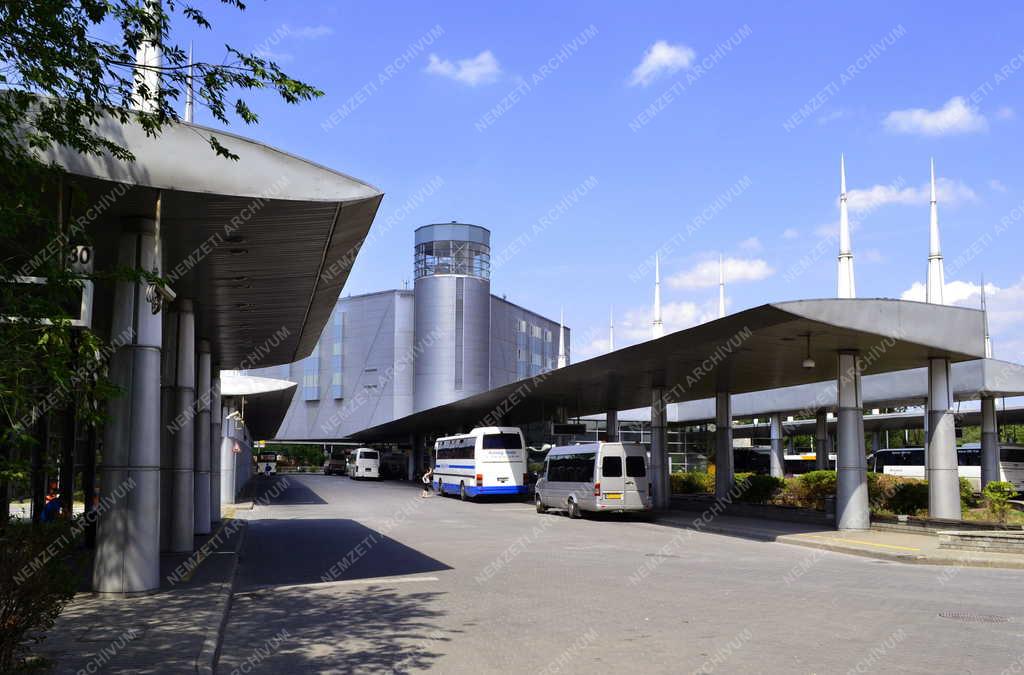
column 876, row 441
column 989, row 442
column 168, row 362
column 777, row 457
column 659, row 446
column 821, row 441
column 612, row 425
column 723, row 445
column 852, row 508
column 202, row 442
column 215, row 448
column 228, row 457
column 183, row 430
column 942, row 473
column 128, row 537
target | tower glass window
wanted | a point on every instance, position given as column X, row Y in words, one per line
column 453, row 257
column 311, row 376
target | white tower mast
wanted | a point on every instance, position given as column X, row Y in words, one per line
column 189, row 93
column 721, row 287
column 657, row 327
column 847, row 288
column 562, row 359
column 611, row 329
column 936, row 274
column 984, row 311
column 148, row 60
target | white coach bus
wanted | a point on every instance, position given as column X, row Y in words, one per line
column 486, row 461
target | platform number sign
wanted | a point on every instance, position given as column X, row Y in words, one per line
column 80, row 259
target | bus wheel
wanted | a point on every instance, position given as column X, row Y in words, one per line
column 574, row 509
column 440, row 488
column 462, row 492
column 540, row 505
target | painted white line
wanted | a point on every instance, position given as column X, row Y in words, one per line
column 382, row 581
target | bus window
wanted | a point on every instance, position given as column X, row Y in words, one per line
column 636, row 467
column 368, row 454
column 1011, row 455
column 502, row 442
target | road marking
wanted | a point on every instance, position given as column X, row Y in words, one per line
column 861, row 541
column 344, row 582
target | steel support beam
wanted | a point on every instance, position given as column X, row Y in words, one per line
column 659, row 446
column 777, row 457
column 821, row 444
column 723, row 445
column 989, row 442
column 612, row 425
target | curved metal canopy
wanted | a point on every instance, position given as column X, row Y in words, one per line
column 263, row 246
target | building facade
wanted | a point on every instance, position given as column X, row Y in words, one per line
column 388, row 354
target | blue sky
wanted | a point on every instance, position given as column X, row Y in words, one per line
column 468, row 124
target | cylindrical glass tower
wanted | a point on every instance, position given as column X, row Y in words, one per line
column 452, row 311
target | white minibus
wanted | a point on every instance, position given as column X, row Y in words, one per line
column 364, row 463
column 594, row 477
column 486, row 461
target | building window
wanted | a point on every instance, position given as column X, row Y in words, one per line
column 520, row 325
column 337, row 351
column 547, row 335
column 536, row 360
column 535, row 331
column 311, row 376
column 520, row 354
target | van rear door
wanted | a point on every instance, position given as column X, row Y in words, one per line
column 612, row 476
column 636, row 480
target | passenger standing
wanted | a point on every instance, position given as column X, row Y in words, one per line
column 428, row 479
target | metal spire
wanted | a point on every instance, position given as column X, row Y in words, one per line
column 611, row 329
column 189, row 91
column 847, row 288
column 721, row 287
column 148, row 60
column 563, row 361
column 936, row 274
column 657, row 327
column 984, row 313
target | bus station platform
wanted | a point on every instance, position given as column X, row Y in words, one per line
column 878, row 542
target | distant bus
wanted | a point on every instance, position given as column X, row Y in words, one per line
column 909, row 463
column 265, row 459
column 486, row 461
column 336, row 462
column 757, row 460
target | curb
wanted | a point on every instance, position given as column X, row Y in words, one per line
column 905, row 558
column 209, row 654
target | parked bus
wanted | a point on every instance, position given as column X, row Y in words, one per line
column 757, row 460
column 336, row 463
column 594, row 477
column 486, row 461
column 264, row 460
column 909, row 463
column 364, row 463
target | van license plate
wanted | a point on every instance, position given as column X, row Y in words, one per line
column 503, row 479
column 613, row 495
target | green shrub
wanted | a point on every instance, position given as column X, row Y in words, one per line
column 909, row 497
column 37, row 578
column 967, row 497
column 881, row 488
column 997, row 495
column 692, row 482
column 814, row 486
column 758, row 488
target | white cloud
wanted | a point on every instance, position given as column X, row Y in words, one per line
column 949, row 193
column 481, row 69
column 751, row 244
column 997, row 185
column 955, row 117
column 705, row 273
column 790, row 233
column 660, row 59
column 964, row 293
column 310, row 32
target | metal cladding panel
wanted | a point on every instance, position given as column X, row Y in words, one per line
column 507, row 340
column 437, row 335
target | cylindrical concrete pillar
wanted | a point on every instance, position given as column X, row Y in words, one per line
column 876, row 441
column 777, row 458
column 659, row 450
column 168, row 362
column 128, row 537
column 202, row 441
column 852, row 508
column 942, row 472
column 821, row 443
column 723, row 445
column 183, row 429
column 612, row 425
column 228, row 456
column 989, row 442
column 215, row 448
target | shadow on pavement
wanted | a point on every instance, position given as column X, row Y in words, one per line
column 306, row 551
column 283, row 491
column 365, row 629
